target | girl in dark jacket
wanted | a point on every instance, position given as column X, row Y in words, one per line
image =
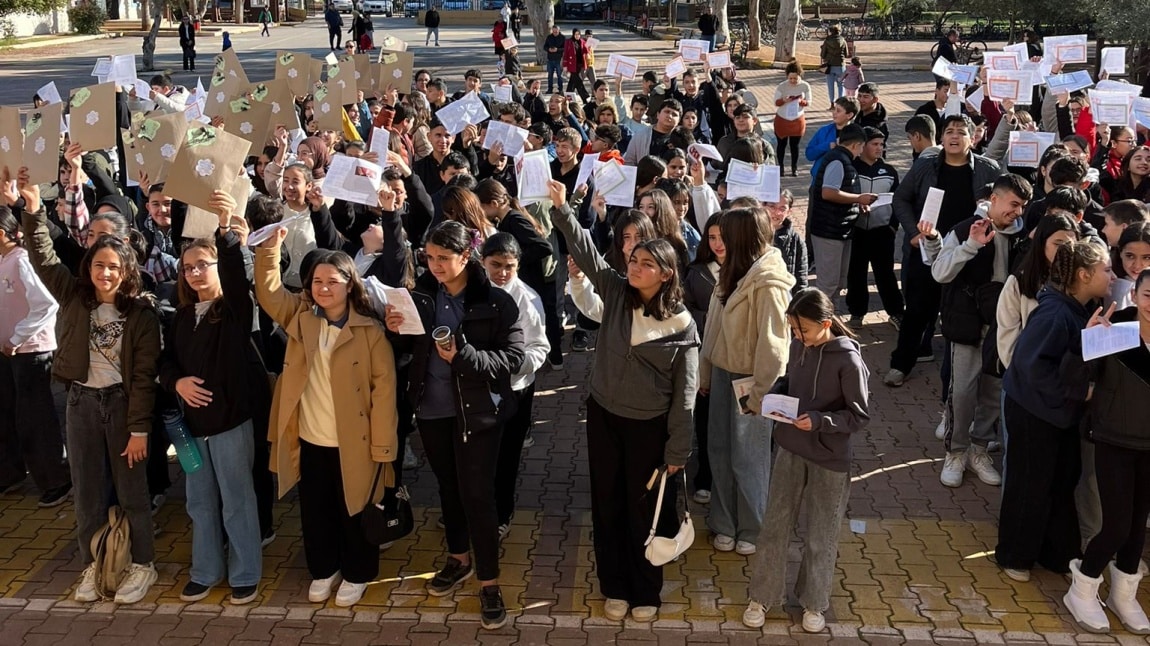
column 1122, row 464
column 210, row 362
column 1046, row 390
column 702, row 276
column 460, row 386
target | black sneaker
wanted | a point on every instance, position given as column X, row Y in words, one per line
column 268, row 538
column 243, row 594
column 195, row 592
column 494, row 614
column 580, row 341
column 450, row 577
column 55, row 497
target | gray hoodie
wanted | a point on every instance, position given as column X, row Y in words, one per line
column 830, row 382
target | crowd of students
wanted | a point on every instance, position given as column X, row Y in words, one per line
column 696, row 307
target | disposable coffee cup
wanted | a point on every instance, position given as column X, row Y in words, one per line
column 442, row 336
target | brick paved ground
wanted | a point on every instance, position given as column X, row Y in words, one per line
column 917, row 574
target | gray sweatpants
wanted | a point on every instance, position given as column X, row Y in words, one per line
column 974, row 401
column 832, row 257
column 798, row 483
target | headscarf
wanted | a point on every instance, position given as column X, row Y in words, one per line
column 321, row 156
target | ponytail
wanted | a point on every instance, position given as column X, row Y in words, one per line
column 1069, row 259
column 813, row 305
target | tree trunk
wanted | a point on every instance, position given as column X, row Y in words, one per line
column 753, row 25
column 145, row 13
column 672, row 13
column 149, row 49
column 786, row 29
column 723, row 34
column 238, row 12
column 542, row 16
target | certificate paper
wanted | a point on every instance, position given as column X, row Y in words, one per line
column 533, row 170
column 1079, row 80
column 1015, row 86
column 1111, row 108
column 624, row 66
column 624, row 193
column 1026, row 147
column 676, row 67
column 718, row 60
column 1065, row 49
column 1000, row 61
column 512, row 137
column 1114, row 60
column 694, row 51
column 759, row 181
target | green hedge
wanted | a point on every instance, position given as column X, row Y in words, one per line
column 87, row 17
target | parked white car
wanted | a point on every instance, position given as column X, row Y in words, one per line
column 342, row 6
column 376, row 7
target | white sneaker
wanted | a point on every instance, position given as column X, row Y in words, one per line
column 894, row 378
column 980, row 463
column 616, row 609
column 813, row 622
column 137, row 583
column 1083, row 603
column 723, row 543
column 320, row 589
column 940, row 430
column 952, row 469
column 702, row 496
column 744, row 548
column 86, row 589
column 644, row 614
column 755, row 615
column 349, row 594
column 1022, row 576
column 504, row 530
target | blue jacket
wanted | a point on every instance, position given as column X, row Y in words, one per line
column 818, row 146
column 1047, row 376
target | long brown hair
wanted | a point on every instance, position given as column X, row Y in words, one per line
column 130, row 291
column 747, row 235
column 188, row 296
column 643, row 227
column 463, row 206
column 356, row 292
column 670, row 295
column 666, row 222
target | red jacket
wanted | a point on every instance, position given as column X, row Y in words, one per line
column 499, row 33
column 569, row 55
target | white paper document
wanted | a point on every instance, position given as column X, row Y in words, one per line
column 780, row 408
column 380, row 139
column 884, row 199
column 624, row 66
column 1100, row 341
column 533, row 171
column 1015, row 86
column 1118, row 87
column 675, row 68
column 1018, row 49
column 1114, row 60
column 932, row 206
column 997, row 61
column 257, row 237
column 123, row 70
column 759, row 181
column 1026, row 148
column 512, row 137
column 1142, row 111
column 353, row 180
column 624, row 193
column 1111, row 108
column 400, row 299
column 1079, row 80
column 586, row 167
column 49, row 93
column 468, row 111
column 608, row 176
column 975, row 99
column 694, row 51
column 705, row 151
column 718, row 60
column 502, row 93
column 962, row 74
column 103, row 66
column 1064, row 49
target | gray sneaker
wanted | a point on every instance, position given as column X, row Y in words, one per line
column 894, row 378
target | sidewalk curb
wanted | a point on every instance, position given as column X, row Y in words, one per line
column 758, row 64
column 63, row 39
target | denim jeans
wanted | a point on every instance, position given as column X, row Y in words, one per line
column 226, row 478
column 432, row 31
column 557, row 68
column 739, row 447
column 798, row 483
column 834, row 82
column 97, row 435
column 30, row 438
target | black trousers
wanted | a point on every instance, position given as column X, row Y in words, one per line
column 189, row 58
column 702, row 420
column 622, row 454
column 873, row 249
column 575, row 84
column 466, row 475
column 30, row 438
column 335, row 37
column 1038, row 522
column 333, row 541
column 510, row 452
column 923, row 295
column 793, row 142
column 1124, row 489
column 553, row 325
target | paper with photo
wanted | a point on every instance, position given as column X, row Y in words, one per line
column 209, row 159
column 201, row 223
column 294, row 68
column 512, row 137
column 468, row 110
column 1015, row 86
column 705, row 151
column 760, row 181
column 394, row 70
column 622, row 66
column 623, row 194
column 1114, row 60
column 42, row 143
column 780, row 408
column 742, row 389
column 1071, row 82
column 533, row 172
column 932, row 206
column 93, row 117
column 1101, row 340
column 1064, row 49
column 327, row 109
column 999, row 61
column 502, row 93
column 718, row 60
column 1026, row 147
column 49, row 93
column 675, row 67
column 11, row 139
column 250, row 120
column 353, row 179
column 694, row 51
column 391, row 43
column 160, row 138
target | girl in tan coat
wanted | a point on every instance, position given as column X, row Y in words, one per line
column 333, row 418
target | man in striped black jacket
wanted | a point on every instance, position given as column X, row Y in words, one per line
column 873, row 241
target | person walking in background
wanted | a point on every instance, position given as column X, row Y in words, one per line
column 589, row 71
column 334, row 27
column 227, row 42
column 554, row 46
column 431, row 21
column 265, row 19
column 832, row 53
column 188, row 43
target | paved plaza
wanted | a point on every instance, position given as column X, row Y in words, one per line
column 912, row 564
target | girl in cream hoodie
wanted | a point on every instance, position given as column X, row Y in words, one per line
column 746, row 336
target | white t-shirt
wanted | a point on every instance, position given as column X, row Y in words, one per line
column 105, row 343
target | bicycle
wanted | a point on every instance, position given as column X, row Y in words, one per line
column 966, row 52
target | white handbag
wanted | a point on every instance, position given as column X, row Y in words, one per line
column 661, row 550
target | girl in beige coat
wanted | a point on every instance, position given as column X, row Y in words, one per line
column 333, row 418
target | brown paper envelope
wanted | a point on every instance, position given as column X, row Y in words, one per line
column 362, row 65
column 221, row 89
column 42, row 143
column 317, row 66
column 342, row 78
column 391, row 43
column 210, row 159
column 249, row 120
column 11, row 140
column 161, row 138
column 278, row 95
column 328, row 111
column 133, row 155
column 92, row 117
column 203, row 224
column 294, row 68
column 230, row 63
column 396, row 71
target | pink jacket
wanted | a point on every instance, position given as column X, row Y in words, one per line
column 27, row 310
column 853, row 77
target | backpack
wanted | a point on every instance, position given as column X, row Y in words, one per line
column 112, row 549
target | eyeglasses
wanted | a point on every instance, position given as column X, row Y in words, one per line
column 1123, row 141
column 200, row 267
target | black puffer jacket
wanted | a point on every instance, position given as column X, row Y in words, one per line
column 490, row 344
column 1118, row 409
